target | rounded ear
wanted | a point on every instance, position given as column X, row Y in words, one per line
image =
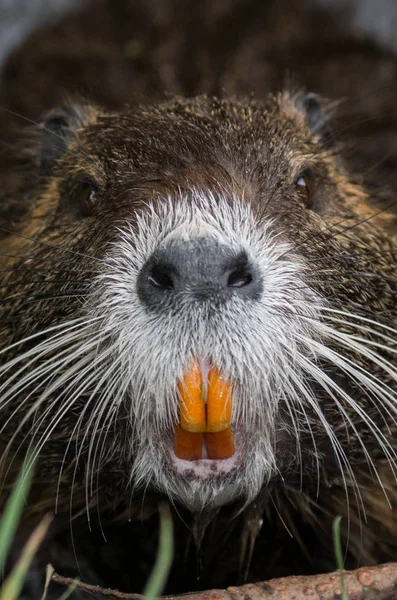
column 317, row 110
column 58, row 126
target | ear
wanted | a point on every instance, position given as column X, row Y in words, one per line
column 58, row 127
column 316, row 110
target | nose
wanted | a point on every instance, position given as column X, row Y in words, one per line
column 201, row 269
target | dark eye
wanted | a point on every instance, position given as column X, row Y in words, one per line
column 304, row 187
column 85, row 194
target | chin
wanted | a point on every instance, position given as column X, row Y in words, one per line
column 205, row 484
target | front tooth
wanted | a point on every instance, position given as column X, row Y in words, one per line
column 192, row 404
column 219, row 445
column 219, row 402
column 187, row 445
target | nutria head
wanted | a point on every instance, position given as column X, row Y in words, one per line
column 221, row 236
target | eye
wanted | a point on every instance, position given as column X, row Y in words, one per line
column 304, row 187
column 85, row 194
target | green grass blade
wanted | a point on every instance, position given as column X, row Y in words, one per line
column 13, row 509
column 68, row 592
column 165, row 554
column 339, row 556
column 12, row 586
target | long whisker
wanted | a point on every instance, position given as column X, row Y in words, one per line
column 370, row 382
column 78, row 152
column 52, row 368
column 48, row 343
column 50, row 245
column 340, row 455
column 87, row 360
column 332, row 310
column 350, row 255
column 40, row 297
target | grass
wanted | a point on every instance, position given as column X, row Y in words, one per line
column 339, row 556
column 13, row 584
column 165, row 553
column 13, row 509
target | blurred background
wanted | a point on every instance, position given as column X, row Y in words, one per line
column 376, row 19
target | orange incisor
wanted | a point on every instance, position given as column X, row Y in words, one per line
column 219, row 445
column 192, row 405
column 219, row 402
column 188, row 446
column 211, row 416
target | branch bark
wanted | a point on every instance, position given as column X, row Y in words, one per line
column 376, row 583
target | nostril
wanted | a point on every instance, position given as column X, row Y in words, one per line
column 161, row 276
column 198, row 271
column 240, row 273
column 239, row 277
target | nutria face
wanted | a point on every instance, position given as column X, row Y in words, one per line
column 221, row 236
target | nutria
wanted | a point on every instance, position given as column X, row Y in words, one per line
column 226, row 231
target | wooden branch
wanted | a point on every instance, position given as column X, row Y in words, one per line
column 376, row 583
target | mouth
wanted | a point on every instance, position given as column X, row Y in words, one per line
column 204, row 442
